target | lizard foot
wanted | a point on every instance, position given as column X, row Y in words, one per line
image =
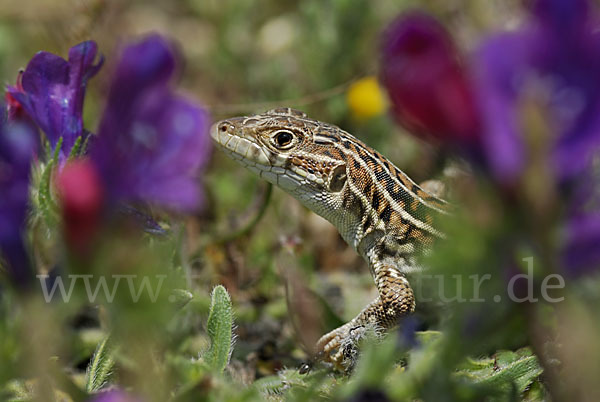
column 340, row 346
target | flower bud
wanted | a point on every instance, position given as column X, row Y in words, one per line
column 430, row 91
column 81, row 195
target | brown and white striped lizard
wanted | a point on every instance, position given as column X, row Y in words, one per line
column 378, row 210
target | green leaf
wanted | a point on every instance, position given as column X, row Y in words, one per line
column 507, row 371
column 289, row 384
column 428, row 337
column 16, row 390
column 220, row 326
column 180, row 297
column 57, row 150
column 46, row 203
column 84, row 147
column 270, row 385
column 47, row 150
column 76, row 148
column 100, row 367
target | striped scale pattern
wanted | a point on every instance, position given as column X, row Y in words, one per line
column 379, row 211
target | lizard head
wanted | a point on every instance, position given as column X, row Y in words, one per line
column 286, row 148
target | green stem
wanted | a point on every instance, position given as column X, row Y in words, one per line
column 245, row 229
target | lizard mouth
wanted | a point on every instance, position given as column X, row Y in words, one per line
column 239, row 147
column 246, row 151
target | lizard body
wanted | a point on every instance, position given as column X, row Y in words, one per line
column 378, row 210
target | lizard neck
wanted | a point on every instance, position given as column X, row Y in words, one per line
column 382, row 206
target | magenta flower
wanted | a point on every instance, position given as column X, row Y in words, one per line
column 18, row 145
column 52, row 89
column 81, row 198
column 429, row 88
column 114, row 396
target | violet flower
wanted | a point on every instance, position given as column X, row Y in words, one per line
column 554, row 60
column 17, row 147
column 581, row 253
column 151, row 142
column 149, row 146
column 52, row 91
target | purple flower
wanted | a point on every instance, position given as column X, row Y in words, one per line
column 150, row 146
column 582, row 251
column 151, row 142
column 537, row 92
column 115, row 396
column 17, row 147
column 52, row 92
column 430, row 90
column 554, row 62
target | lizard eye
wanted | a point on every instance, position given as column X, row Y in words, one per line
column 283, row 139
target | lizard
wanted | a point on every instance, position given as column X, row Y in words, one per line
column 378, row 210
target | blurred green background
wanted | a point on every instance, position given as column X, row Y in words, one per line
column 241, row 57
column 291, row 269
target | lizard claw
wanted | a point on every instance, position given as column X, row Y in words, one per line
column 305, row 368
column 338, row 347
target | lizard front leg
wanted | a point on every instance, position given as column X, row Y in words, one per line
column 396, row 299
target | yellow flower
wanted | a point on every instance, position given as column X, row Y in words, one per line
column 365, row 98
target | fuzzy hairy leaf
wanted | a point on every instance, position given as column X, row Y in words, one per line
column 180, row 297
column 507, row 370
column 75, row 151
column 45, row 201
column 220, row 326
column 100, row 367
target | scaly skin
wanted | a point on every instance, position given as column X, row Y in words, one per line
column 377, row 209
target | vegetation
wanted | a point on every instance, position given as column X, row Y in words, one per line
column 140, row 264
